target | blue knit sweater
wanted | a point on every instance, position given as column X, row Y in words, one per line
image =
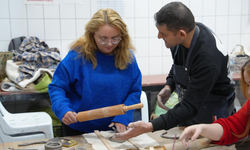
column 77, row 87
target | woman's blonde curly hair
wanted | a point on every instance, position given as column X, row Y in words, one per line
column 86, row 45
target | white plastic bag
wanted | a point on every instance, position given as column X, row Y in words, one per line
column 237, row 58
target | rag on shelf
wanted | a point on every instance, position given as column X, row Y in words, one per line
column 31, row 60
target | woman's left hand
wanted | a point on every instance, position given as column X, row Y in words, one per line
column 119, row 127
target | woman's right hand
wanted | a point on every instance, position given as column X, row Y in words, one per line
column 69, row 118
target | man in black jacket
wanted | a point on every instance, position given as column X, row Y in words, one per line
column 200, row 74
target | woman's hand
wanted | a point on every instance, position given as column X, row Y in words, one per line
column 119, row 127
column 190, row 132
column 211, row 131
column 69, row 118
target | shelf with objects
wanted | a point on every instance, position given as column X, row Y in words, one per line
column 26, row 71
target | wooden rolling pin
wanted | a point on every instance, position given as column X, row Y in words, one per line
column 106, row 112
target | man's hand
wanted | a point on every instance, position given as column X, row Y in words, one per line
column 119, row 127
column 163, row 97
column 135, row 129
column 69, row 118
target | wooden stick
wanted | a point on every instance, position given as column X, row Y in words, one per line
column 136, row 145
column 104, row 141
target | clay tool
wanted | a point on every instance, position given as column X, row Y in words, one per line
column 214, row 118
column 65, row 142
column 174, row 141
column 106, row 112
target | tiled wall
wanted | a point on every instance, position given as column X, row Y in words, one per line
column 60, row 24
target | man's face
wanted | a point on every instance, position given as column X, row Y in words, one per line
column 169, row 37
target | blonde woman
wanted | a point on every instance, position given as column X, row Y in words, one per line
column 228, row 130
column 100, row 70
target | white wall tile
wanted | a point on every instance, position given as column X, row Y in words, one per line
column 130, row 22
column 153, row 31
column 167, row 64
column 4, row 45
column 209, row 7
column 198, row 19
column 234, row 24
column 19, row 27
column 154, row 7
column 5, row 29
column 196, row 7
column 245, row 7
column 83, row 11
column 51, row 11
column 164, row 2
column 80, row 26
column 155, row 65
column 143, row 64
column 224, row 40
column 68, row 29
column 222, row 7
column 221, row 25
column 4, row 9
column 141, row 27
column 60, row 25
column 54, row 44
column 17, row 9
column 245, row 42
column 235, row 7
column 142, row 47
column 143, row 5
column 166, row 51
column 133, row 41
column 245, row 25
column 35, row 11
column 185, row 2
column 36, row 28
column 93, row 6
column 129, row 8
column 233, row 40
column 52, row 29
column 209, row 21
column 65, row 47
column 155, row 47
column 67, row 11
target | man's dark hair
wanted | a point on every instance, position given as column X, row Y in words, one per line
column 176, row 16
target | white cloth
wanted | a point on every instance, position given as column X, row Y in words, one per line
column 13, row 72
column 142, row 140
column 9, row 87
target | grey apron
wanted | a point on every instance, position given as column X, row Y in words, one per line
column 213, row 106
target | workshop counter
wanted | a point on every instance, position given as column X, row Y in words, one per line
column 83, row 143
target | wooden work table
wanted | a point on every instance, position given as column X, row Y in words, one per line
column 79, row 138
column 83, row 143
